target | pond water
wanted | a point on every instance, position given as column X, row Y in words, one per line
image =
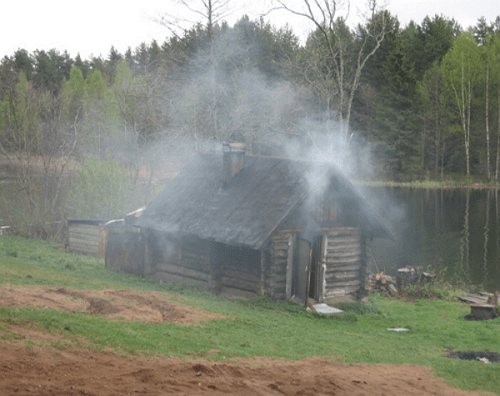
column 455, row 232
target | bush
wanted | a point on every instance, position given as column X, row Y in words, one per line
column 102, row 190
column 437, row 290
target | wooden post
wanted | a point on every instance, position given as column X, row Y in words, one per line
column 262, row 272
column 322, row 262
column 214, row 279
column 148, row 256
column 289, row 266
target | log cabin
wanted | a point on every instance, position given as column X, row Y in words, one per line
column 252, row 225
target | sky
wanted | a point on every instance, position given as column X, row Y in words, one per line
column 91, row 27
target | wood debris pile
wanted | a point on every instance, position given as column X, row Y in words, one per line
column 405, row 277
column 383, row 284
column 483, row 306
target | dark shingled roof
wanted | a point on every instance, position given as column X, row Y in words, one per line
column 246, row 211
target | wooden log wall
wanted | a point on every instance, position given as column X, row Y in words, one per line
column 186, row 261
column 343, row 257
column 280, row 260
column 238, row 269
column 84, row 238
column 125, row 250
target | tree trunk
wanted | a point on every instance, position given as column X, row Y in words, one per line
column 497, row 162
column 487, row 122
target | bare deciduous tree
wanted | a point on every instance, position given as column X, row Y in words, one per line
column 211, row 12
column 346, row 58
column 40, row 143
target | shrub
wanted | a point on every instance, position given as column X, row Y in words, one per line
column 103, row 189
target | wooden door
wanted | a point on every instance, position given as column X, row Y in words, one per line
column 301, row 270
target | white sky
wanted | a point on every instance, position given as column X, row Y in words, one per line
column 93, row 26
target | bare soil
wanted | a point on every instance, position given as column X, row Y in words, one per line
column 32, row 362
column 46, row 371
column 150, row 307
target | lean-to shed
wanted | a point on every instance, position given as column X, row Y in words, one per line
column 245, row 224
column 86, row 236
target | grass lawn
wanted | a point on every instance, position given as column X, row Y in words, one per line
column 256, row 327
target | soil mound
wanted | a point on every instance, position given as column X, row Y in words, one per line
column 44, row 371
column 151, row 307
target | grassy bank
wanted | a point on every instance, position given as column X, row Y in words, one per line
column 433, row 184
column 255, row 327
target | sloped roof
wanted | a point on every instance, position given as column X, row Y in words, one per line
column 246, row 211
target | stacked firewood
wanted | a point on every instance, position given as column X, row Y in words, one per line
column 382, row 283
column 405, row 276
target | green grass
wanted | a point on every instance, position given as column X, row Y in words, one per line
column 256, row 327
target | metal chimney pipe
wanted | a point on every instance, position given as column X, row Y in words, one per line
column 233, row 160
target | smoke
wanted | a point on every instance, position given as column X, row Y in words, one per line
column 224, row 91
column 219, row 93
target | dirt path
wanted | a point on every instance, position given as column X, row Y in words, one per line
column 150, row 307
column 44, row 371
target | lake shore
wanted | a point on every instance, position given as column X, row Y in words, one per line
column 431, row 184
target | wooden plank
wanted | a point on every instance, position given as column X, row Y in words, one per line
column 345, row 267
column 343, row 261
column 344, row 273
column 342, row 247
column 84, row 249
column 332, row 272
column 177, row 279
column 86, row 238
column 337, row 232
column 473, row 299
column 351, row 244
column 280, row 244
column 342, row 243
column 342, row 229
column 244, row 275
column 84, row 226
column 240, row 284
column 342, row 284
column 289, row 265
column 231, row 291
column 277, row 270
column 84, row 229
column 343, row 237
column 182, row 271
column 92, row 241
column 341, row 291
column 280, row 254
column 343, row 256
column 79, row 244
column 72, row 242
column 94, row 238
column 348, row 280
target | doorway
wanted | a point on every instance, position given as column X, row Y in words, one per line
column 301, row 271
column 306, row 274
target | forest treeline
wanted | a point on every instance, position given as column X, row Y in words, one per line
column 425, row 97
